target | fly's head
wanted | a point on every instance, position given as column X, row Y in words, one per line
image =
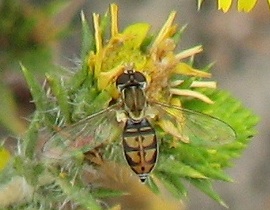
column 131, row 84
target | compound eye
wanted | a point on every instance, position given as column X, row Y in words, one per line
column 139, row 77
column 122, row 79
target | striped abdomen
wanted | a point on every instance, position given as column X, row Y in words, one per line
column 140, row 147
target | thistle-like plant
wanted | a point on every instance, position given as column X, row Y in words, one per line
column 82, row 172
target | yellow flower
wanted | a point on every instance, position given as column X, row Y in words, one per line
column 158, row 62
column 156, row 59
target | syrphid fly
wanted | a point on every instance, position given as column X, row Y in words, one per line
column 136, row 118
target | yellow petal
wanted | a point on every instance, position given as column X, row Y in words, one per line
column 189, row 52
column 195, row 84
column 4, row 158
column 185, row 69
column 224, row 5
column 114, row 20
column 105, row 78
column 246, row 5
column 204, row 84
column 166, row 30
column 98, row 41
column 98, row 37
column 137, row 33
column 191, row 93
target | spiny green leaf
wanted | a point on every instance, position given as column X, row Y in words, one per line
column 151, row 183
column 76, row 82
column 177, row 37
column 173, row 184
column 35, row 88
column 104, row 193
column 78, row 194
column 31, row 173
column 212, row 162
column 38, row 94
column 206, row 186
column 31, row 137
column 175, row 167
column 104, row 23
column 61, row 95
column 213, row 172
column 87, row 39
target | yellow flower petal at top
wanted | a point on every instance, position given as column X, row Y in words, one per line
column 4, row 158
column 189, row 52
column 246, row 5
column 166, row 32
column 137, row 33
column 114, row 20
column 99, row 49
column 157, row 61
column 191, row 93
column 195, row 84
column 224, row 5
column 185, row 69
column 106, row 78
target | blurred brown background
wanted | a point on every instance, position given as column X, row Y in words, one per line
column 239, row 43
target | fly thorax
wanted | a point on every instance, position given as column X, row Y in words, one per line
column 134, row 102
column 131, row 85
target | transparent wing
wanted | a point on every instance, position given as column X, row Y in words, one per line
column 194, row 127
column 83, row 136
